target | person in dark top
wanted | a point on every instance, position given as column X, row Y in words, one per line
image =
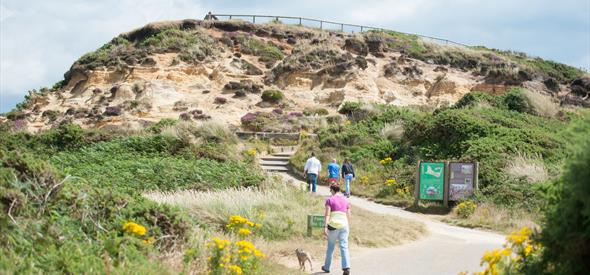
column 347, row 175
column 210, row 16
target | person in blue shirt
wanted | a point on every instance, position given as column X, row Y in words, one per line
column 333, row 172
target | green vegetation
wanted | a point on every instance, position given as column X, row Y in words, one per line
column 273, row 96
column 266, row 51
column 566, row 232
column 192, row 46
column 496, row 131
column 408, row 43
column 65, row 195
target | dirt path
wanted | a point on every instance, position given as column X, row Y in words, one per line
column 446, row 250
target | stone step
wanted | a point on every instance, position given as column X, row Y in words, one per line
column 274, row 162
column 284, row 154
column 275, row 158
column 274, row 168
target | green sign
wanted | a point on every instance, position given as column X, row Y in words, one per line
column 314, row 221
column 432, row 179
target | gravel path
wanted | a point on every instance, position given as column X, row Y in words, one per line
column 446, row 250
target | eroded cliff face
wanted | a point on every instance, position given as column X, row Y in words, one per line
column 200, row 70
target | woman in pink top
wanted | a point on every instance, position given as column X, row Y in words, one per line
column 336, row 218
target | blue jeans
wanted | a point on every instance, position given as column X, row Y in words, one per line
column 348, row 179
column 340, row 235
column 312, row 179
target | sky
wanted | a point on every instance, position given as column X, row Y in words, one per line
column 40, row 39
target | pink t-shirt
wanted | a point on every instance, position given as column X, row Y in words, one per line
column 337, row 203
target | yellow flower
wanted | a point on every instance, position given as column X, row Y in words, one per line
column 244, row 231
column 528, row 249
column 258, row 225
column 149, row 240
column 234, row 269
column 221, row 244
column 134, row 228
column 251, row 152
column 258, row 254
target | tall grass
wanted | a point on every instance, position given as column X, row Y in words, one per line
column 283, row 210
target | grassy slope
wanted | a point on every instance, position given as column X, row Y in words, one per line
column 53, row 223
column 480, row 127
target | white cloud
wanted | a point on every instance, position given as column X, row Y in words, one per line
column 6, row 13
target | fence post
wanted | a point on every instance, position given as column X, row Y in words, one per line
column 277, row 19
column 321, row 23
column 253, row 18
column 341, row 27
column 230, row 17
column 361, row 28
column 299, row 21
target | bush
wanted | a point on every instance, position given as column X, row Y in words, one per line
column 465, row 209
column 157, row 127
column 516, row 100
column 310, row 111
column 566, row 233
column 220, row 100
column 272, row 96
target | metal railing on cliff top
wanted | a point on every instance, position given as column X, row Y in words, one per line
column 325, row 25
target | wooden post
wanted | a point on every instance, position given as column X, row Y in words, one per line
column 253, row 18
column 309, row 225
column 341, row 27
column 299, row 21
column 417, row 185
column 230, row 17
column 446, row 184
column 321, row 23
column 476, row 176
column 361, row 28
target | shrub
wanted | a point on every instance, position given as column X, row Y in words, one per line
column 272, row 96
column 157, row 127
column 516, row 100
column 541, row 105
column 348, row 108
column 566, row 233
column 310, row 111
column 220, row 100
column 530, row 169
column 393, row 131
column 465, row 209
column 113, row 111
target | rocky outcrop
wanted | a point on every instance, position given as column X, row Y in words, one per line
column 168, row 69
column 581, row 86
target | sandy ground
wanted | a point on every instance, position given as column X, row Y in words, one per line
column 446, row 250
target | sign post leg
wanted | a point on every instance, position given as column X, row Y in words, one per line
column 417, row 185
column 309, row 225
column 446, row 185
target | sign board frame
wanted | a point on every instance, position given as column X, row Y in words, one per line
column 446, row 179
column 463, row 175
column 314, row 221
column 419, row 179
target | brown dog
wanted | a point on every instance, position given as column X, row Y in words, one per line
column 303, row 256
